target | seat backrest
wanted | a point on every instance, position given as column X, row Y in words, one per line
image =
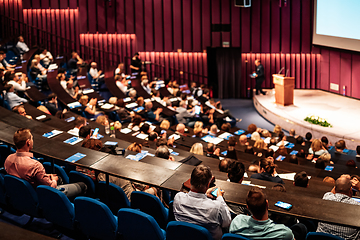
column 56, row 207
column 115, row 198
column 136, row 225
column 321, row 236
column 95, row 218
column 151, row 205
column 2, row 191
column 58, row 170
column 183, row 230
column 5, row 151
column 22, row 195
column 231, row 236
column 75, row 177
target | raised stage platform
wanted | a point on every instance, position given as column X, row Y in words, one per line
column 341, row 112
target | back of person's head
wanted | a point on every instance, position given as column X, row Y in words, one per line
column 135, row 147
column 340, row 145
column 162, row 152
column 301, row 179
column 84, row 100
column 277, row 129
column 132, row 93
column 117, row 125
column 165, row 124
column 256, row 202
column 351, row 163
column 180, row 128
column 279, row 187
column 255, row 136
column 308, row 136
column 226, row 127
column 242, row 139
column 145, row 127
column 198, row 124
column 292, row 132
column 260, row 144
column 293, row 159
column 206, row 91
column 232, row 141
column 224, row 164
column 153, row 136
column 281, row 135
column 328, row 179
column 214, row 129
column 343, row 185
column 84, row 131
column 210, row 148
column 321, row 163
column 103, row 120
column 325, row 140
column 79, row 121
column 269, row 153
column 197, row 148
column 200, row 178
column 113, row 100
column 268, row 165
column 251, row 128
column 325, row 157
column 51, row 96
column 21, row 136
column 161, row 142
column 94, row 144
column 265, row 133
column 140, row 101
column 148, row 105
column 299, row 140
column 136, row 120
column 316, row 145
column 8, row 87
column 236, row 171
column 282, row 150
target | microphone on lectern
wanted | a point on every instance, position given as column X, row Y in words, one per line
column 287, row 71
column 281, row 70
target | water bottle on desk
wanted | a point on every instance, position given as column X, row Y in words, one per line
column 112, row 130
column 107, row 129
column 344, row 90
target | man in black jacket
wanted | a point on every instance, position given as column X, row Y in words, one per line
column 259, row 77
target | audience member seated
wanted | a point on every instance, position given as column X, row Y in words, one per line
column 73, row 63
column 317, row 148
column 123, row 113
column 5, row 64
column 95, row 73
column 340, row 146
column 265, row 133
column 342, row 192
column 198, row 206
column 11, row 97
column 21, row 110
column 39, row 65
column 52, row 104
column 267, row 171
column 212, row 151
column 199, row 131
column 90, row 107
column 277, row 130
column 35, row 71
column 231, row 151
column 213, row 130
column 325, row 141
column 163, row 152
column 46, row 57
column 293, row 159
column 146, row 85
column 120, row 70
column 164, row 125
column 184, row 115
column 122, row 83
column 79, row 122
column 132, row 95
column 180, row 129
column 243, row 140
column 22, row 165
column 224, row 164
column 19, row 81
column 328, row 179
column 351, row 163
column 259, row 226
column 135, row 147
column 197, row 148
column 152, row 116
column 301, row 179
column 21, row 46
column 103, row 120
column 135, row 123
column 251, row 128
column 323, row 161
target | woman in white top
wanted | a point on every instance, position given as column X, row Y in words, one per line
column 317, row 148
column 121, row 83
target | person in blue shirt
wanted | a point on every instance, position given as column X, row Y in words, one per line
column 267, row 171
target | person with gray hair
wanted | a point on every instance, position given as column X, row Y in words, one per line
column 163, row 152
column 184, row 115
column 342, row 192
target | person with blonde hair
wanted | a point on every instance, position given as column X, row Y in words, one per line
column 198, row 129
column 213, row 130
column 197, row 148
column 135, row 147
column 165, row 124
column 277, row 129
column 317, row 148
column 117, row 125
column 90, row 106
column 255, row 136
column 103, row 120
column 260, row 144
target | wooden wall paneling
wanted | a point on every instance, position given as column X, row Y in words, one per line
column 129, row 12
column 272, row 66
column 120, row 16
column 73, row 4
column 201, row 68
column 187, row 25
column 63, row 26
column 177, row 25
column 292, row 71
column 54, row 4
column 245, row 29
column 306, row 25
column 118, row 44
column 102, row 45
column 15, row 10
column 101, row 17
column 196, row 26
column 91, row 16
column 190, row 67
column 26, row 4
column 303, row 71
column 110, row 16
column 235, row 26
column 109, row 59
column 275, row 27
column 334, row 65
column 158, row 26
column 265, row 26
column 256, row 26
column 186, row 60
column 313, row 77
column 76, row 29
column 296, row 26
column 180, row 66
column 38, row 17
column 83, row 16
column 171, row 65
column 285, row 28
column 345, row 73
column 168, row 35
column 149, row 25
column 166, row 66
column 64, row 4
column 57, row 28
column 139, row 24
column 215, row 19
column 297, row 69
column 206, row 24
column 72, row 31
column 195, row 66
column 268, row 70
column 355, row 78
column 68, row 26
column 325, row 70
column 308, row 70
column 35, row 4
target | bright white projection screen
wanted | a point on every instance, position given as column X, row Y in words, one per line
column 337, row 24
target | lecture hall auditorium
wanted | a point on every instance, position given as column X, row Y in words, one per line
column 114, row 122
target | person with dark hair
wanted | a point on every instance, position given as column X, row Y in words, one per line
column 342, row 192
column 212, row 152
column 300, row 140
column 79, row 122
column 340, row 146
column 22, row 46
column 301, row 179
column 358, row 151
column 231, row 152
column 308, row 136
column 259, row 77
column 224, row 164
column 236, row 171
column 259, row 226
column 251, row 128
column 351, row 163
column 279, row 187
column 321, row 163
column 267, row 171
column 12, row 98
column 52, row 104
column 22, row 165
column 198, row 206
column 136, row 63
column 293, row 159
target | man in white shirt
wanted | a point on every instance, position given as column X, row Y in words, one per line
column 196, row 206
column 79, row 122
column 95, row 74
column 46, row 57
column 21, row 46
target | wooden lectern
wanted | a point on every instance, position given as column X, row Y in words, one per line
column 284, row 89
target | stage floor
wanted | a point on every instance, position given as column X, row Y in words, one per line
column 341, row 112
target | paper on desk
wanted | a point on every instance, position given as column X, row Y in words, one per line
column 127, row 99
column 107, row 106
column 225, row 135
column 125, row 130
column 87, row 91
column 289, row 176
column 267, row 140
column 52, row 66
column 40, row 117
column 273, row 147
column 142, row 136
column 282, row 143
column 131, row 105
column 175, row 136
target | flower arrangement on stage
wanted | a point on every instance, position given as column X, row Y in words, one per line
column 317, row 121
